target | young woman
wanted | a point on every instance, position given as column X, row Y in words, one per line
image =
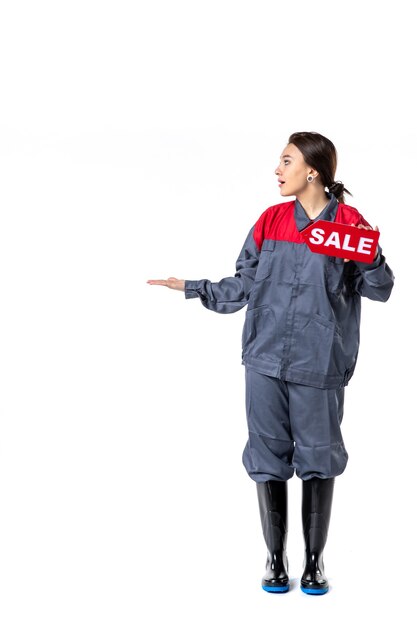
column 300, row 346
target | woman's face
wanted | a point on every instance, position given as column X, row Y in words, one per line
column 292, row 171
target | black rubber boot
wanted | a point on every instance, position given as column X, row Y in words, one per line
column 272, row 496
column 316, row 509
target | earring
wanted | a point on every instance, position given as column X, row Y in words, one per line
column 310, row 178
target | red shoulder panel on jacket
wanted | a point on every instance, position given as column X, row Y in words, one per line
column 278, row 223
column 349, row 215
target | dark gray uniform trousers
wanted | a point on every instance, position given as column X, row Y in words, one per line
column 292, row 427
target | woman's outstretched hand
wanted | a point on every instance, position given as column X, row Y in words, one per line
column 172, row 283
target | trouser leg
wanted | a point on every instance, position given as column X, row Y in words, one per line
column 272, row 497
column 269, row 450
column 316, row 509
column 315, row 418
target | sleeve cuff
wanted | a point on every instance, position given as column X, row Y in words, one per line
column 190, row 290
column 371, row 266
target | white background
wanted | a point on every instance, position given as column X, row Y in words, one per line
column 139, row 140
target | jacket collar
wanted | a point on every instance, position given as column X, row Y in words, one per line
column 328, row 213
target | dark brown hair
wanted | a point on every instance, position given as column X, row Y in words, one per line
column 320, row 153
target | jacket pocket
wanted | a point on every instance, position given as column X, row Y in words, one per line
column 318, row 347
column 335, row 268
column 265, row 260
column 258, row 330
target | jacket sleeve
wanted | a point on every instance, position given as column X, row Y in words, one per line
column 373, row 280
column 229, row 294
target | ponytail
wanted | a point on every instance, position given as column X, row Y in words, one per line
column 338, row 189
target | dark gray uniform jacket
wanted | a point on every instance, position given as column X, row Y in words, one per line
column 303, row 315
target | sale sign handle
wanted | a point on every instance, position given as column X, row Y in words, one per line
column 341, row 240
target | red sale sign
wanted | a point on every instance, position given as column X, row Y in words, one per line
column 347, row 242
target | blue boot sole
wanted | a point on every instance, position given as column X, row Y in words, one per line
column 276, row 589
column 314, row 592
